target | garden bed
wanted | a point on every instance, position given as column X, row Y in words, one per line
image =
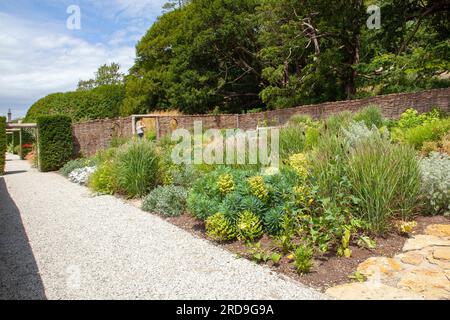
column 347, row 188
column 329, row 270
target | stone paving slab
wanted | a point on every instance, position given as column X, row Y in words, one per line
column 421, row 271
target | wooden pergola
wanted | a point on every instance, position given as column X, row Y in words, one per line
column 18, row 127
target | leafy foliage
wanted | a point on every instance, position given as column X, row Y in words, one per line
column 106, row 75
column 234, row 56
column 55, row 142
column 258, row 188
column 225, row 183
column 292, row 141
column 430, row 131
column 198, row 57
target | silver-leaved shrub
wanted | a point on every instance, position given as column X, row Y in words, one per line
column 358, row 131
column 435, row 172
column 166, row 201
column 81, row 175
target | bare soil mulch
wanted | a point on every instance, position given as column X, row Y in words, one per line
column 329, row 270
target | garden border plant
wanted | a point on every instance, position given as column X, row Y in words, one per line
column 347, row 182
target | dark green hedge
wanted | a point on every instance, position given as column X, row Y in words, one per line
column 2, row 144
column 99, row 103
column 55, row 142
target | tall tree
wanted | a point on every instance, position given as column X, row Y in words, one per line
column 197, row 58
column 235, row 55
column 105, row 75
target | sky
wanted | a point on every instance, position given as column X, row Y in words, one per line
column 40, row 55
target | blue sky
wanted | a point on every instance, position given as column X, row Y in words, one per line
column 39, row 55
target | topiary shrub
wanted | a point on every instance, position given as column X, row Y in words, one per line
column 168, row 201
column 2, row 144
column 99, row 103
column 218, row 228
column 137, row 166
column 55, row 142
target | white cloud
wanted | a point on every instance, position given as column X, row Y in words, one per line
column 36, row 60
column 136, row 16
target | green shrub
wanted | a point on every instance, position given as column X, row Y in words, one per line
column 104, row 180
column 385, row 177
column 3, row 145
column 435, row 173
column 260, row 195
column 76, row 164
column 303, row 259
column 273, row 221
column 411, row 118
column 137, row 167
column 167, row 201
column 232, row 206
column 55, row 142
column 249, row 226
column 204, row 198
column 371, row 116
column 218, row 228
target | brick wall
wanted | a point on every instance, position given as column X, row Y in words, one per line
column 95, row 135
column 89, row 137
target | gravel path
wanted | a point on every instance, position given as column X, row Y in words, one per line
column 58, row 242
